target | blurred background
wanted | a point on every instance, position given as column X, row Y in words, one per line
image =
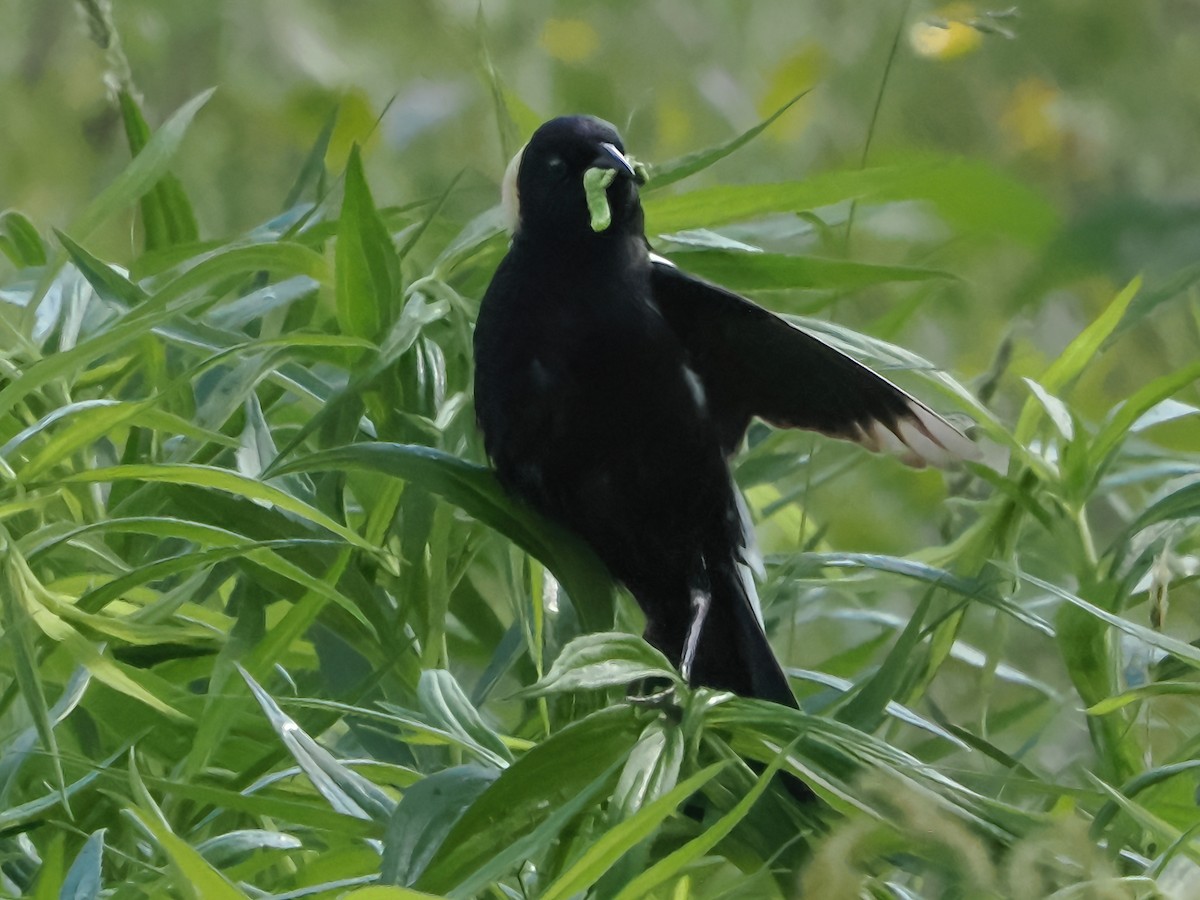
column 1092, row 106
column 1061, row 134
column 1088, row 111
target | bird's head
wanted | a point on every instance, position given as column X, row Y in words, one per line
column 573, row 181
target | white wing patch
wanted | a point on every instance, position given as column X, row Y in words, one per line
column 920, row 437
column 696, row 386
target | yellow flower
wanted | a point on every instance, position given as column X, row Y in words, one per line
column 946, row 34
column 1031, row 118
column 569, row 40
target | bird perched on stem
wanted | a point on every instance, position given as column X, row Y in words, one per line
column 611, row 388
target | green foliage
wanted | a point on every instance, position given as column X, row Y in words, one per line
column 272, row 628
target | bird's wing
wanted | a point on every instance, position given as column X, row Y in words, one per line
column 753, row 363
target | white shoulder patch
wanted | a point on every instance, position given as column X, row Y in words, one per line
column 696, row 386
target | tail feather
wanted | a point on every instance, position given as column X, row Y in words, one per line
column 733, row 652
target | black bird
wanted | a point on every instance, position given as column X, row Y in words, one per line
column 611, row 388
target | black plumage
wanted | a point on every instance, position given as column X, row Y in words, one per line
column 611, row 387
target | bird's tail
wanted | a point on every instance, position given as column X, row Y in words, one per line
column 732, row 652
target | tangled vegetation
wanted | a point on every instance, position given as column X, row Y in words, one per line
column 271, row 628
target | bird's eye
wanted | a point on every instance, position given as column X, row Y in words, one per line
column 556, row 164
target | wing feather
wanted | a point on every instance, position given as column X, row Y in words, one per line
column 753, row 363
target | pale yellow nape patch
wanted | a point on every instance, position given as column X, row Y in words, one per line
column 510, row 198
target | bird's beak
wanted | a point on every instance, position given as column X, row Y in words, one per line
column 612, row 158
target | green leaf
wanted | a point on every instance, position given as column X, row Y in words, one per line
column 51, row 872
column 1156, row 828
column 897, row 673
column 366, row 269
column 1181, row 504
column 196, row 877
column 1156, row 689
column 87, row 421
column 426, row 813
column 22, row 608
column 446, row 704
column 614, row 843
column 554, row 773
column 974, row 589
column 220, row 545
column 475, row 490
column 26, row 247
column 967, row 193
column 344, row 790
column 222, row 480
column 416, row 313
column 304, row 812
column 1141, row 782
column 1075, row 357
column 1054, row 408
column 513, row 853
column 1083, row 348
column 678, row 861
column 110, row 284
column 167, row 216
column 312, row 171
column 124, row 680
column 607, row 659
column 1131, row 410
column 776, row 271
column 1184, row 652
column 84, row 879
column 677, row 169
column 651, row 770
column 892, row 708
column 175, row 298
column 234, row 846
column 20, row 749
column 144, row 170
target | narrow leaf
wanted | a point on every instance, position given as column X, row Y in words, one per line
column 1157, row 689
column 366, row 268
column 1184, row 652
column 617, row 841
column 426, row 813
column 1054, row 408
column 776, row 271
column 222, row 480
column 83, row 880
column 167, row 216
column 27, row 247
column 143, row 171
column 475, row 490
column 196, row 876
column 447, row 705
column 1075, row 357
column 608, row 659
column 344, row 790
column 677, row 169
column 969, row 194
column 676, row 862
